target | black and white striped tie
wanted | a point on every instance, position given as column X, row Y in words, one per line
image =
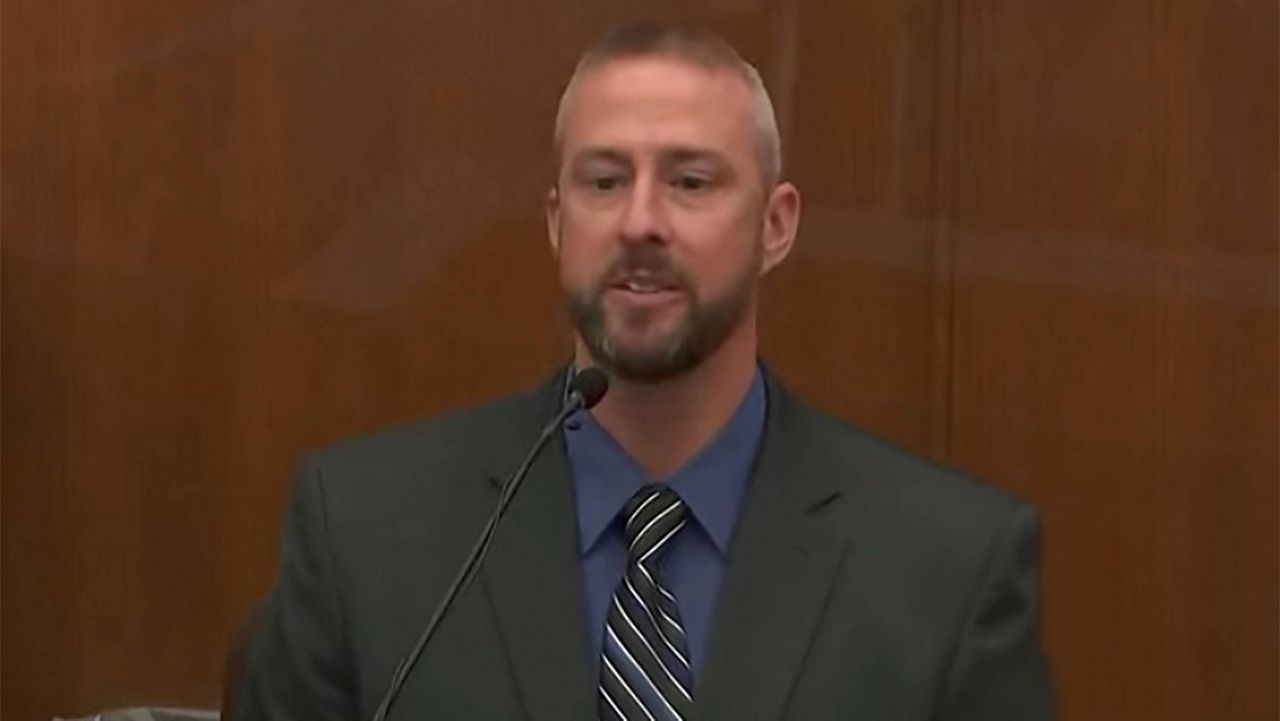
column 644, row 665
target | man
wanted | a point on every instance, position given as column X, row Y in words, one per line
column 698, row 545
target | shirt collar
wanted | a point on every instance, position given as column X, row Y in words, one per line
column 712, row 484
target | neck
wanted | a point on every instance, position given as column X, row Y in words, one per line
column 663, row 425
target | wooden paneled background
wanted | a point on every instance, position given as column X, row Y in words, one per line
column 1039, row 242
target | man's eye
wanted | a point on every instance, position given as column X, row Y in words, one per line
column 691, row 182
column 605, row 182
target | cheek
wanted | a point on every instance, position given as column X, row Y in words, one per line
column 718, row 253
column 582, row 228
column 583, row 256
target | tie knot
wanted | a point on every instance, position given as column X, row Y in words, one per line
column 654, row 514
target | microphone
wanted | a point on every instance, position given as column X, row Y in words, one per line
column 589, row 386
column 585, row 391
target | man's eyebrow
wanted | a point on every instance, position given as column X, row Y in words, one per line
column 685, row 155
column 601, row 153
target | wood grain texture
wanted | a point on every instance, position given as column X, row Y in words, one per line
column 848, row 319
column 1115, row 336
column 1039, row 242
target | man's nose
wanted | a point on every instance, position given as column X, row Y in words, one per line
column 644, row 219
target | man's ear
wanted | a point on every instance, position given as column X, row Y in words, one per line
column 781, row 223
column 553, row 220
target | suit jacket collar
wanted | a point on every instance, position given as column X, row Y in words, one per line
column 784, row 554
column 786, row 550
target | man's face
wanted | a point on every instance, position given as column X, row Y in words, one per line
column 658, row 213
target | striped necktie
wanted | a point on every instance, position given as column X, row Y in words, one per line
column 644, row 665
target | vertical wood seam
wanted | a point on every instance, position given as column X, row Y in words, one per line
column 946, row 41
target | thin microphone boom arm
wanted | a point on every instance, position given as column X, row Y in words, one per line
column 586, row 389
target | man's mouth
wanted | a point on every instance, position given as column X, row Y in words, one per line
column 645, row 290
column 645, row 285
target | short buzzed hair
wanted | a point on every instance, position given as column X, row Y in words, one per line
column 698, row 47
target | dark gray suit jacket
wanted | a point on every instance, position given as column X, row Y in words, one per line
column 863, row 583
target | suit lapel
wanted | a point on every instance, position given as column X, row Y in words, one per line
column 785, row 552
column 533, row 578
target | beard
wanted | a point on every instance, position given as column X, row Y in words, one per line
column 702, row 328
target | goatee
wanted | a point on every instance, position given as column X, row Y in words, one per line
column 700, row 331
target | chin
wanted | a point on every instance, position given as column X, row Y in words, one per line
column 649, row 344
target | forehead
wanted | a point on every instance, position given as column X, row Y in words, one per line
column 652, row 103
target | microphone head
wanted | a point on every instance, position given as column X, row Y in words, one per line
column 591, row 384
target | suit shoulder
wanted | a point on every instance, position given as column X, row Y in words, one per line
column 449, row 433
column 913, row 487
column 432, row 458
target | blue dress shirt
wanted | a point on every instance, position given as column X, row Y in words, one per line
column 712, row 485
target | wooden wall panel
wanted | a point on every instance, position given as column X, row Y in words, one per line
column 850, row 318
column 1115, row 335
column 234, row 231
column 1039, row 242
